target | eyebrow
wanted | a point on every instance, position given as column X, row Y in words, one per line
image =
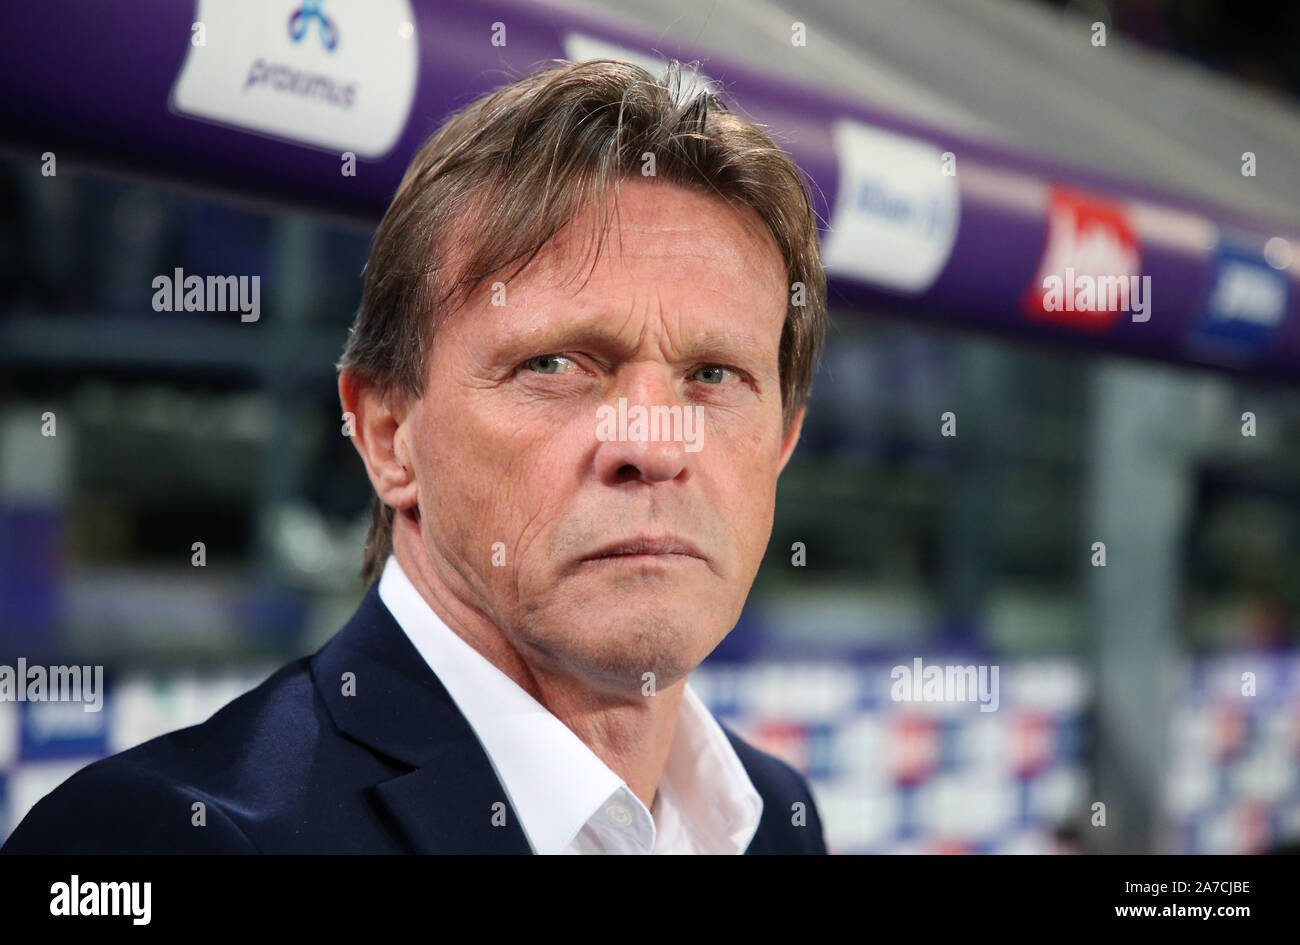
column 595, row 333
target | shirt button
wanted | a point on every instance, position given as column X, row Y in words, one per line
column 619, row 814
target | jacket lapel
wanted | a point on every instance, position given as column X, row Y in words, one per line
column 395, row 704
column 451, row 801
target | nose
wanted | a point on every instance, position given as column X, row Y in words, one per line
column 643, row 429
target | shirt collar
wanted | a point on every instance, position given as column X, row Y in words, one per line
column 555, row 783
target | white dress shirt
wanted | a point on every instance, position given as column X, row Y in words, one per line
column 566, row 798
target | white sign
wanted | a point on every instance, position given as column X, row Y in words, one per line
column 334, row 74
column 1249, row 294
column 896, row 213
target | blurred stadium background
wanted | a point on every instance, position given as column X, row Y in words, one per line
column 1120, row 685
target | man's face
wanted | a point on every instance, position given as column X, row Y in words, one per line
column 521, row 486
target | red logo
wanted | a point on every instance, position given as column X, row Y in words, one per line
column 916, row 748
column 1033, row 742
column 1089, row 241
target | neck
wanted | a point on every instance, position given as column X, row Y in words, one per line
column 632, row 735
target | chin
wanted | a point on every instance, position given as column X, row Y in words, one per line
column 615, row 646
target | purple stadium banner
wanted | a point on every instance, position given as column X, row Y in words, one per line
column 319, row 104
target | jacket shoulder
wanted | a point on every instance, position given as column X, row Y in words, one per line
column 118, row 805
column 790, row 822
column 174, row 793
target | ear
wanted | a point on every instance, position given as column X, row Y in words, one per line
column 379, row 431
column 791, row 438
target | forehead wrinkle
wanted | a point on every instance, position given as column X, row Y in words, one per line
column 671, row 319
column 599, row 318
column 629, row 317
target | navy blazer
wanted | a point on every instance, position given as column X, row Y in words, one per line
column 296, row 766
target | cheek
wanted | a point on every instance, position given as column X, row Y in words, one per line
column 746, row 456
column 739, row 486
column 496, row 479
column 754, row 513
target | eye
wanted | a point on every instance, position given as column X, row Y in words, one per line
column 548, row 363
column 716, row 373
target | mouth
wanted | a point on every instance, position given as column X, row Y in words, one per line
column 644, row 548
